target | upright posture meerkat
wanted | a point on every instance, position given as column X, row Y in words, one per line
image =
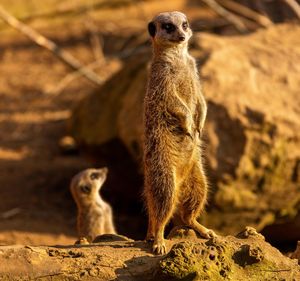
column 94, row 215
column 174, row 115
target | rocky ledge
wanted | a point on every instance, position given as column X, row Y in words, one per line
column 246, row 256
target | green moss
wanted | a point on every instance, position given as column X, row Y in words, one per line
column 197, row 261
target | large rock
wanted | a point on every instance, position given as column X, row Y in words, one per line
column 245, row 257
column 252, row 87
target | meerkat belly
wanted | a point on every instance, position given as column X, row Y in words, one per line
column 91, row 223
column 169, row 146
column 170, row 121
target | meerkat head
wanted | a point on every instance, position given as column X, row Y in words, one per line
column 170, row 28
column 85, row 186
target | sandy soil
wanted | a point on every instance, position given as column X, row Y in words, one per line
column 36, row 207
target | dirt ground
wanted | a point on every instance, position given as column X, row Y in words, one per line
column 31, row 164
column 36, row 207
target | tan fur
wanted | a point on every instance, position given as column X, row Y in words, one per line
column 94, row 215
column 174, row 115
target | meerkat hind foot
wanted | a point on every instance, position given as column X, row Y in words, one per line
column 211, row 233
column 203, row 231
column 207, row 233
column 159, row 248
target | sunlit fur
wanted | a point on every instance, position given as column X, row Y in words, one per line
column 174, row 115
column 94, row 215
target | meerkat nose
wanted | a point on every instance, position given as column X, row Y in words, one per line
column 181, row 38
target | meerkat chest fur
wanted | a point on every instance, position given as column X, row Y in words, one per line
column 179, row 70
column 174, row 100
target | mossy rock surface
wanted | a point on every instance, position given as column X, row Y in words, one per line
column 244, row 257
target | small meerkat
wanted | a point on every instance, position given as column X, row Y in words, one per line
column 94, row 215
column 174, row 113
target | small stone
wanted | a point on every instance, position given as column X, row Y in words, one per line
column 249, row 231
column 111, row 238
column 82, row 241
column 68, row 145
column 179, row 232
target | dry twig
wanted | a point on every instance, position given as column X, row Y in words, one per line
column 95, row 39
column 294, row 6
column 76, row 74
column 239, row 24
column 62, row 84
column 246, row 12
column 10, row 213
column 49, row 45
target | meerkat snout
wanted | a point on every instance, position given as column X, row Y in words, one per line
column 170, row 28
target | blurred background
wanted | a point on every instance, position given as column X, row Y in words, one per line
column 73, row 98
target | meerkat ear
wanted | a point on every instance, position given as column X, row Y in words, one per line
column 151, row 28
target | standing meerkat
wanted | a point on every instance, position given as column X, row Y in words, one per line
column 94, row 215
column 174, row 115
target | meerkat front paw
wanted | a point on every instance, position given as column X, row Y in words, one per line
column 159, row 248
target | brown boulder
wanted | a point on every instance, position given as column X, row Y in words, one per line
column 252, row 87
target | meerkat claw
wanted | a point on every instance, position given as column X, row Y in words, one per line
column 211, row 234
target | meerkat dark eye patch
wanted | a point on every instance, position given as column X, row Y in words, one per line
column 95, row 176
column 151, row 28
column 185, row 25
column 85, row 189
column 169, row 27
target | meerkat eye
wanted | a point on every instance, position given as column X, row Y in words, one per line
column 85, row 189
column 185, row 25
column 169, row 27
column 95, row 176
